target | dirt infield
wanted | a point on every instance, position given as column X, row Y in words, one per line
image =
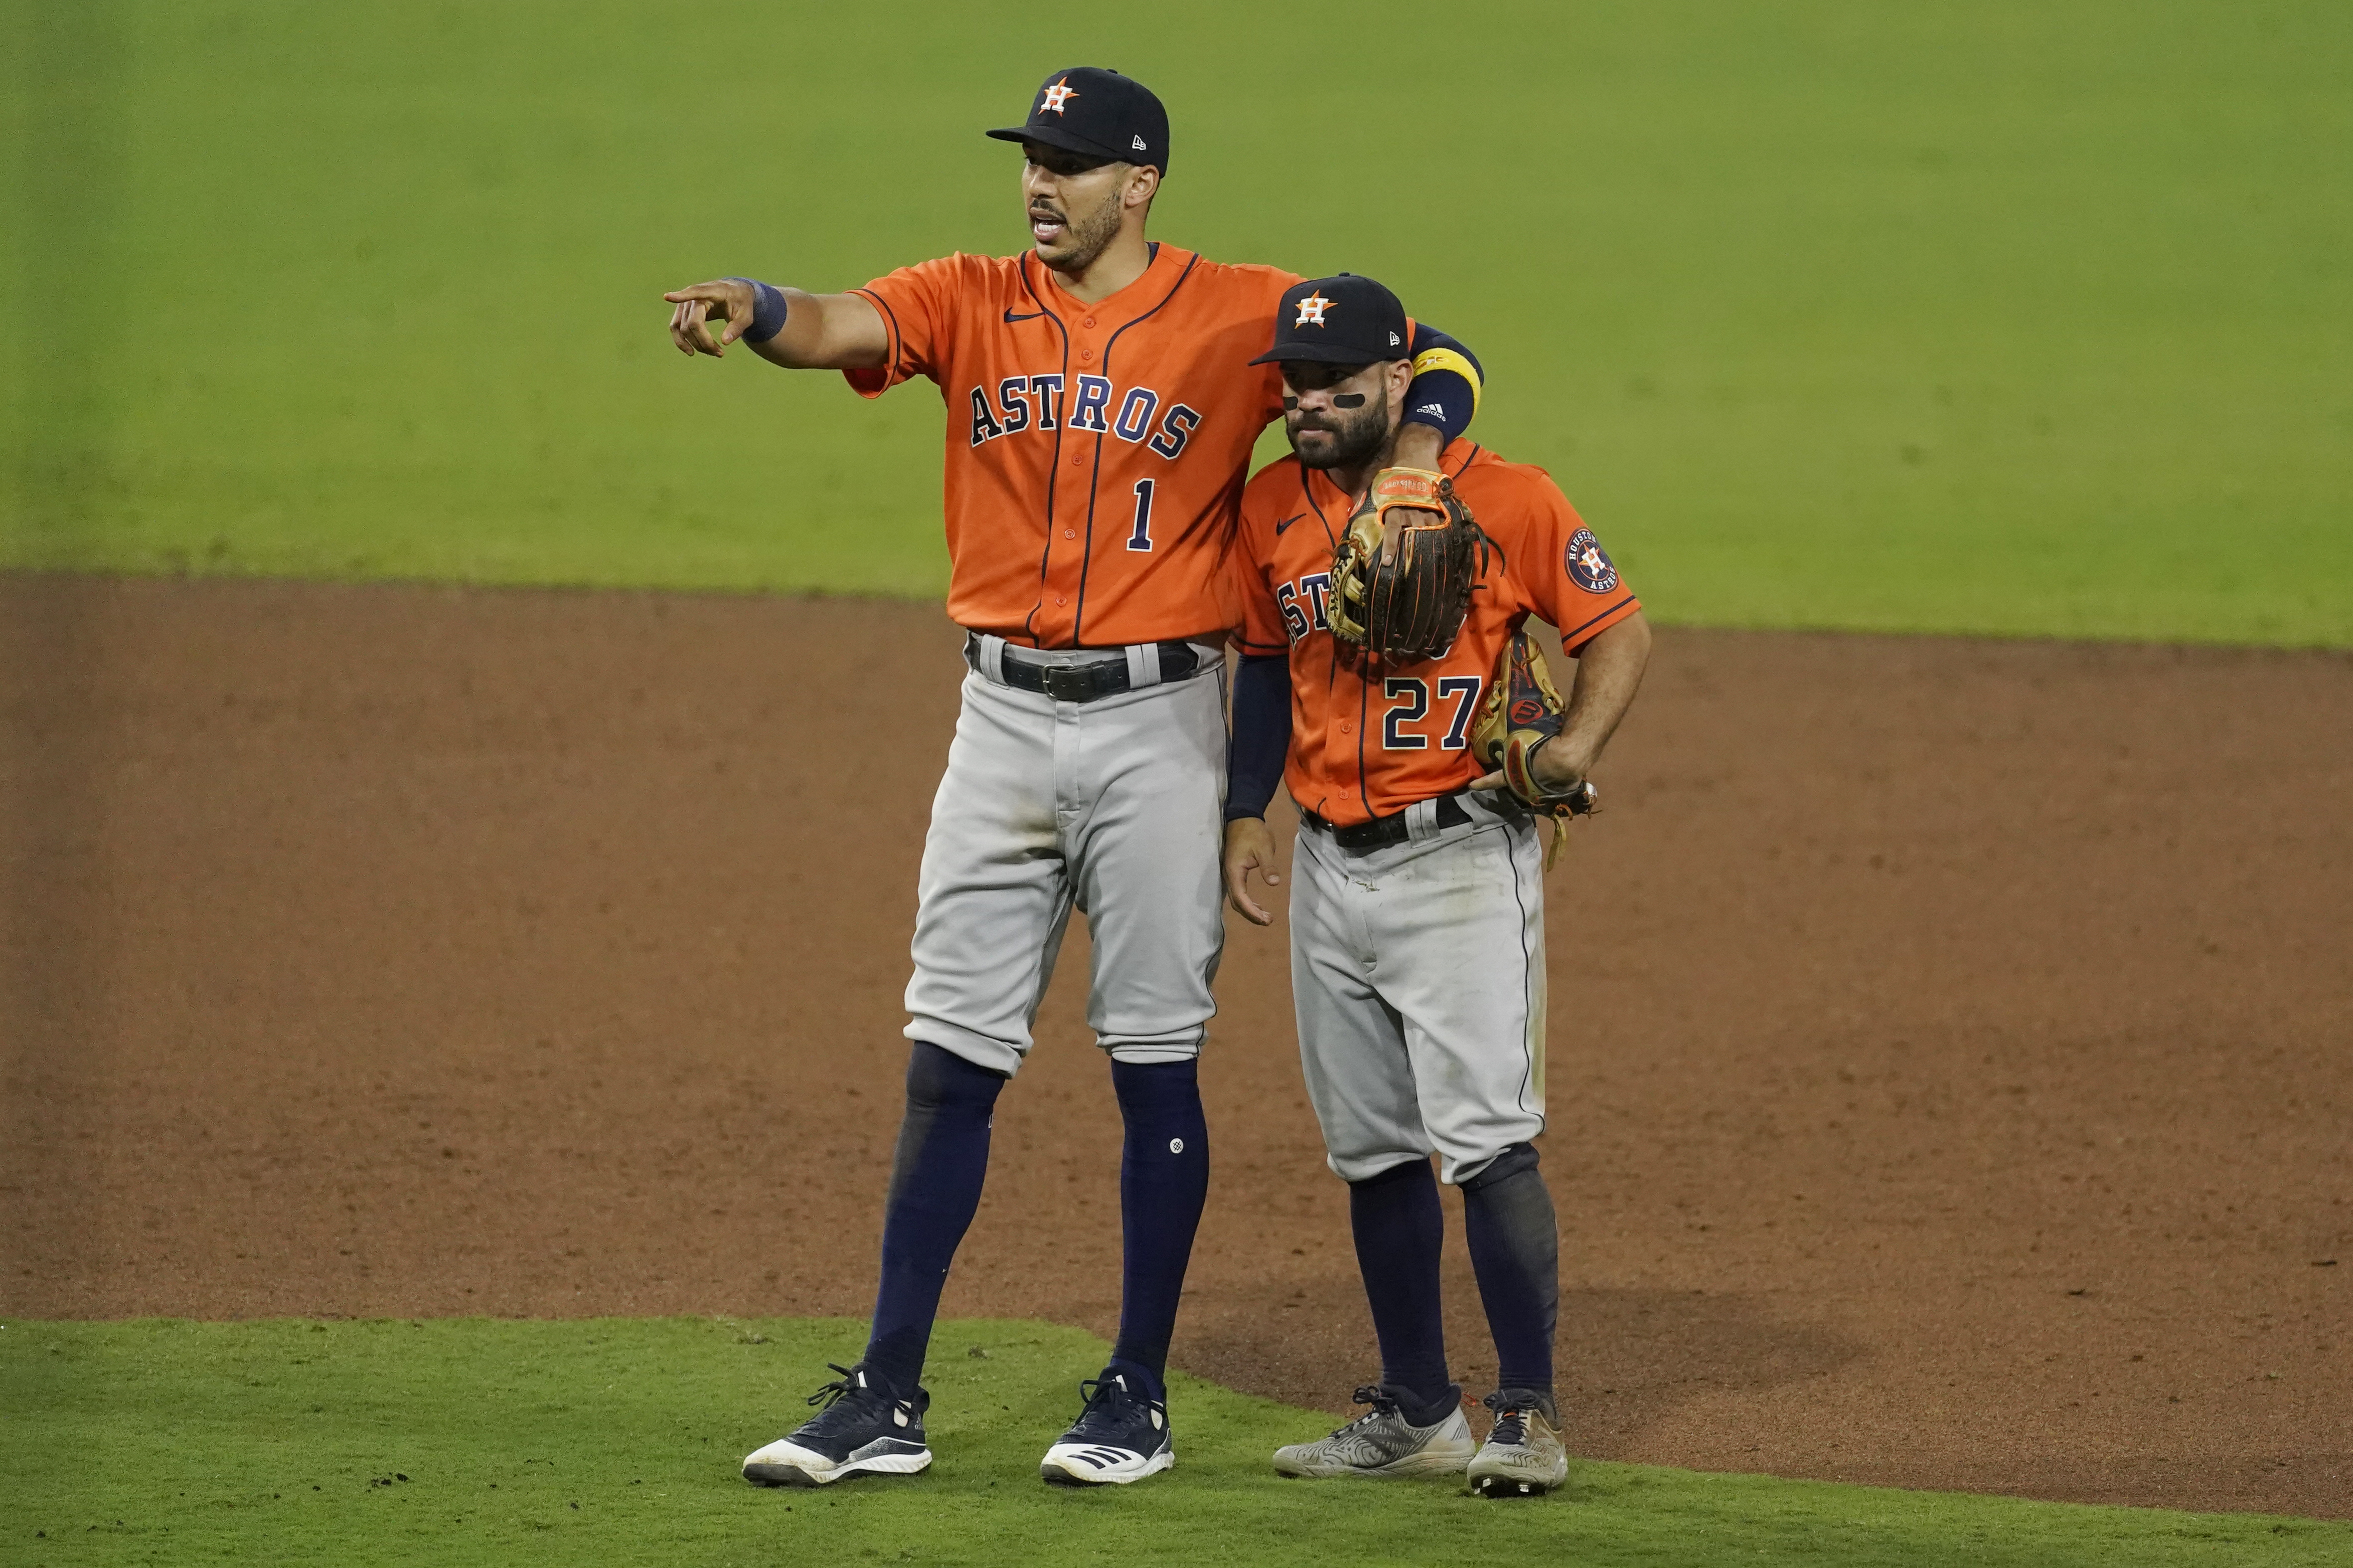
column 1950, row 1039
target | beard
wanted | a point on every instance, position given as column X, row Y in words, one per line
column 1346, row 438
column 1088, row 234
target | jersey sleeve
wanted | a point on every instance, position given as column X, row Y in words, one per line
column 919, row 306
column 1261, row 630
column 1568, row 575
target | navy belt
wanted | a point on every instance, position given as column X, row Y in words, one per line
column 1088, row 682
column 1383, row 831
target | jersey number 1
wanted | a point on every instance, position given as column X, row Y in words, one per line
column 1141, row 538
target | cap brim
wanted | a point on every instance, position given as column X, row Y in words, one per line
column 1319, row 353
column 1054, row 136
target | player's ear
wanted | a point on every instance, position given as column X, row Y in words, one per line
column 1400, row 377
column 1143, row 184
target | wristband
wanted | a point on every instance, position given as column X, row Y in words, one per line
column 768, row 310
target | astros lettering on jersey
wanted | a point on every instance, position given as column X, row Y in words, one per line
column 1092, row 501
column 1367, row 739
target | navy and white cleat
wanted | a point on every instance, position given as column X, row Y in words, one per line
column 1121, row 1436
column 865, row 1429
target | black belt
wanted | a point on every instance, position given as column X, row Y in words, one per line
column 1383, row 831
column 1086, row 682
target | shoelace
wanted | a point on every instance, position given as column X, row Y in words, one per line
column 840, row 1388
column 1111, row 1407
column 1511, row 1420
column 1382, row 1401
column 1106, row 1394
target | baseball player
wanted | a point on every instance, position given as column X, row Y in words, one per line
column 1417, row 916
column 1102, row 404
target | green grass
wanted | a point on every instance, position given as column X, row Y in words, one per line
column 1973, row 315
column 615, row 1441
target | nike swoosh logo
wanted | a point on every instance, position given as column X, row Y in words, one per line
column 1032, row 316
column 1287, row 521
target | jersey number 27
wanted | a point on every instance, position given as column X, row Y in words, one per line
column 1409, row 698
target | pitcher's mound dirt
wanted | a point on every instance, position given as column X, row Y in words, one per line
column 1949, row 1039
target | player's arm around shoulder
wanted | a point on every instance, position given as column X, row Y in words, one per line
column 789, row 327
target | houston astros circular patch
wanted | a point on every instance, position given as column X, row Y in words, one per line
column 1588, row 563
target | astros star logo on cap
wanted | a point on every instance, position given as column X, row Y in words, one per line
column 1311, row 311
column 1056, row 94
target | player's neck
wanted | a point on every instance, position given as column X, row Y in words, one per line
column 1352, row 482
column 1123, row 261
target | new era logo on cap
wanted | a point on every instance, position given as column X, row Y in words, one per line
column 1137, row 142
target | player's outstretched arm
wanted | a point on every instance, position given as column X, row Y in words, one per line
column 1608, row 672
column 784, row 326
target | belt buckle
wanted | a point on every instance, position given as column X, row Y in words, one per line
column 1069, row 683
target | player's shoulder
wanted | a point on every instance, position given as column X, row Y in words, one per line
column 1491, row 476
column 1248, row 278
column 1486, row 467
column 963, row 271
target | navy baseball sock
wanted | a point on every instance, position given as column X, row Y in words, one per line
column 1515, row 1253
column 935, row 1181
column 1164, row 1180
column 1399, row 1228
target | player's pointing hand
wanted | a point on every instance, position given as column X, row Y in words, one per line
column 728, row 300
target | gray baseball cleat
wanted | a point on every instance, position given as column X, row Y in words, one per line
column 1382, row 1443
column 1522, row 1457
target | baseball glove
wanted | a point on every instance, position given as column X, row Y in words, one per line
column 1521, row 712
column 1409, row 607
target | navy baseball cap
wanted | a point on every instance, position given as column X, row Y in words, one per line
column 1097, row 113
column 1345, row 320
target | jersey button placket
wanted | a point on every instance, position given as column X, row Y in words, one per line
column 1075, row 494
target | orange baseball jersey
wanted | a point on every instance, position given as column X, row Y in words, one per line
column 1096, row 453
column 1370, row 741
